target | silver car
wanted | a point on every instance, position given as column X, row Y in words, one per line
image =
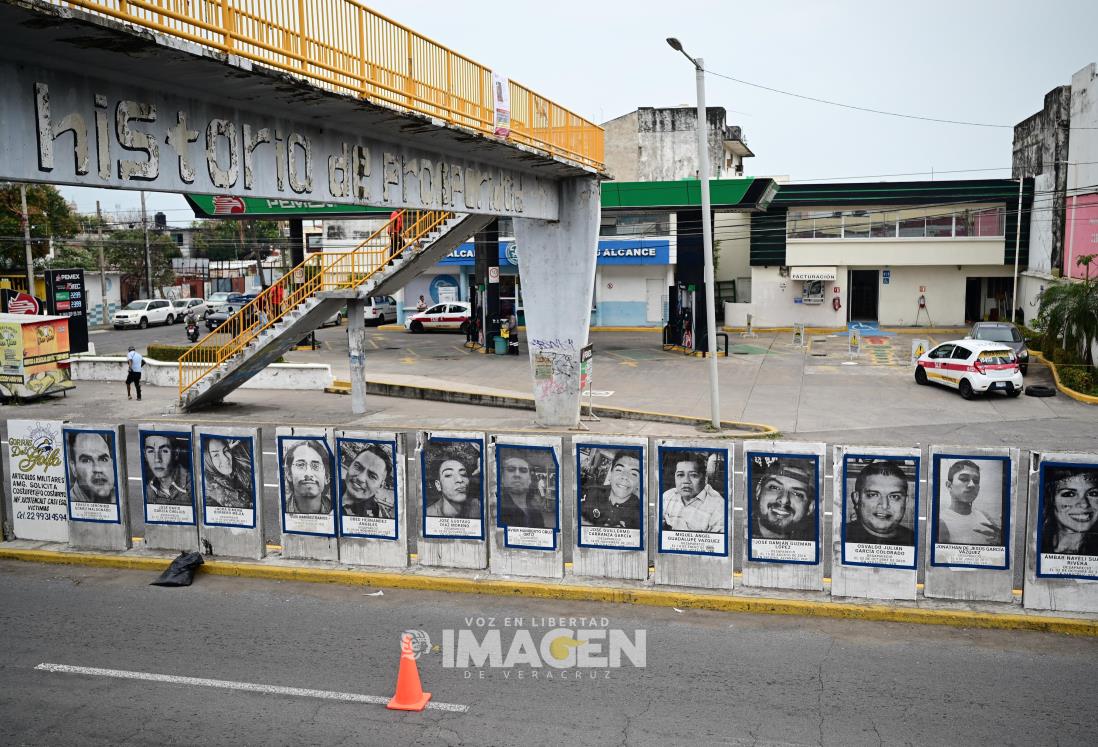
column 1006, row 333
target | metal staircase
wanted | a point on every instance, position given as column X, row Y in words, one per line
column 310, row 294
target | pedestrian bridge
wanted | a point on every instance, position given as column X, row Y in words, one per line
column 318, row 100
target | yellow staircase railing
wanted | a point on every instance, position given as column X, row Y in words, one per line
column 343, row 46
column 324, row 271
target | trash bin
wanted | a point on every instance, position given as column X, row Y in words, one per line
column 501, row 345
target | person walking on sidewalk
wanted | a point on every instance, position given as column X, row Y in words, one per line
column 133, row 374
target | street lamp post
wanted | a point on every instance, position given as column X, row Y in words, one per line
column 707, row 234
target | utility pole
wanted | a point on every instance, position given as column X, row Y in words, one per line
column 27, row 239
column 148, row 254
column 102, row 264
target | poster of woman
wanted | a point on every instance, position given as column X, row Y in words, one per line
column 228, row 480
column 1067, row 521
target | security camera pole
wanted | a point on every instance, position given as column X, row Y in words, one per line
column 707, row 234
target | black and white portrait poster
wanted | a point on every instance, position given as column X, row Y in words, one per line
column 970, row 511
column 693, row 501
column 305, row 484
column 367, row 488
column 91, row 466
column 783, row 507
column 880, row 510
column 228, row 480
column 527, row 496
column 1067, row 523
column 167, row 479
column 611, row 496
column 453, row 488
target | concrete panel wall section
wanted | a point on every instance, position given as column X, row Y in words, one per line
column 899, row 252
column 875, row 524
column 973, row 538
column 690, row 529
column 784, row 530
column 229, row 470
column 97, row 484
column 373, row 491
column 306, row 489
column 609, row 540
column 526, row 497
column 451, row 484
column 293, row 376
column 557, row 274
column 168, row 486
column 1062, row 554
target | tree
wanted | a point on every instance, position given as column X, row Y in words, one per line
column 50, row 216
column 1069, row 312
column 236, row 239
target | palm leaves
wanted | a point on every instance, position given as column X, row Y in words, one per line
column 1069, row 311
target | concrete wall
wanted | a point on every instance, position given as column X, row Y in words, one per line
column 660, row 144
column 622, row 295
column 945, row 293
column 95, row 296
column 294, row 376
column 772, row 302
column 621, row 147
column 874, row 252
column 1083, row 144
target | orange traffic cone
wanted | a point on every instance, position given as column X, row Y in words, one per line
column 409, row 693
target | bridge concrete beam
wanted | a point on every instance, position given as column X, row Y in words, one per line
column 557, row 271
column 90, row 101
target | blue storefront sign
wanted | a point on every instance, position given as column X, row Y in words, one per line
column 611, row 252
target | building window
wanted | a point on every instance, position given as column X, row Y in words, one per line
column 920, row 222
column 636, row 224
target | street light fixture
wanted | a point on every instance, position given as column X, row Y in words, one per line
column 707, row 233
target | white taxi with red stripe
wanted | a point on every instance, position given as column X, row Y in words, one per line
column 972, row 367
column 452, row 315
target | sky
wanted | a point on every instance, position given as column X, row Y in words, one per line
column 975, row 60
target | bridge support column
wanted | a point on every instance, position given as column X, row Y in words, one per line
column 356, row 344
column 557, row 270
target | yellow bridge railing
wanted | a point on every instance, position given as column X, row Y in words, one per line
column 343, row 46
column 324, row 271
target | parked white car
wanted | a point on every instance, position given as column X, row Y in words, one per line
column 972, row 367
column 453, row 315
column 381, row 310
column 143, row 312
column 182, row 306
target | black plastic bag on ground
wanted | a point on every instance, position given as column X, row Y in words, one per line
column 181, row 571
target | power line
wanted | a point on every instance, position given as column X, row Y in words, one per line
column 868, row 109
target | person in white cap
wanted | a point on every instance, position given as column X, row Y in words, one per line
column 133, row 375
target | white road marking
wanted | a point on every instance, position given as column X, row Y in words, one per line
column 231, row 685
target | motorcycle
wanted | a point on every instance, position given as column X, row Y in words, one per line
column 192, row 331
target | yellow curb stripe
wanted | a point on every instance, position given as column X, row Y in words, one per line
column 1085, row 398
column 568, row 592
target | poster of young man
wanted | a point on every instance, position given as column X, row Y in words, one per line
column 228, row 480
column 305, row 486
column 693, row 501
column 453, row 488
column 91, row 464
column 1067, row 520
column 167, row 479
column 970, row 511
column 783, row 508
column 880, row 511
column 528, row 496
column 367, row 488
column 611, row 496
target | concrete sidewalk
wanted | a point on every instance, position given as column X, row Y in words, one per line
column 923, row 611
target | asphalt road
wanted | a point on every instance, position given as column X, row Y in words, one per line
column 708, row 678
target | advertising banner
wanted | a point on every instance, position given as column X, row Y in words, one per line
column 37, row 480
